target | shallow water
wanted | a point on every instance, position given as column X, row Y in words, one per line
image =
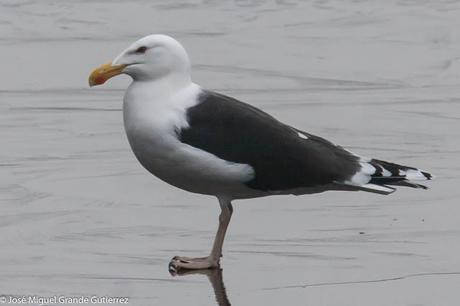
column 79, row 216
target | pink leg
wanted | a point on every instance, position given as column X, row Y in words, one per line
column 211, row 261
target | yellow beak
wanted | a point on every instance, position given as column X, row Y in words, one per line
column 103, row 73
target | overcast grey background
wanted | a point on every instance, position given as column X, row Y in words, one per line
column 79, row 216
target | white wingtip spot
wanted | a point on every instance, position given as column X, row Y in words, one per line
column 411, row 174
column 363, row 176
column 415, row 175
column 302, row 135
column 367, row 168
column 385, row 172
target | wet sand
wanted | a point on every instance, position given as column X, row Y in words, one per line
column 79, row 216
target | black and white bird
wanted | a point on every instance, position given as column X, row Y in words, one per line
column 208, row 143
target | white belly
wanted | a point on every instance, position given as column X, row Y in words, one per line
column 151, row 127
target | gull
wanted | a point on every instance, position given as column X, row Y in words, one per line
column 205, row 142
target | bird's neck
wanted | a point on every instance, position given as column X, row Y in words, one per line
column 155, row 101
column 155, row 110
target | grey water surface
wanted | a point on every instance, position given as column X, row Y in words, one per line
column 80, row 217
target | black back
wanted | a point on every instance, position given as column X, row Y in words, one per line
column 240, row 133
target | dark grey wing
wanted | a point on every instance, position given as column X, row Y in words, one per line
column 282, row 159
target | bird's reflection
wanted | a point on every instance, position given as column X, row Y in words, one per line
column 216, row 280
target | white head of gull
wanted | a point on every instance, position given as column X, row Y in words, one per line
column 209, row 143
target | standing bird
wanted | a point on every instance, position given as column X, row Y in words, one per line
column 208, row 143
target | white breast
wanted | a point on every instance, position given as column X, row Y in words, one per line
column 152, row 117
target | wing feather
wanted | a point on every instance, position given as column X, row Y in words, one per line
column 282, row 159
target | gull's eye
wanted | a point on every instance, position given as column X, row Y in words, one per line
column 141, row 50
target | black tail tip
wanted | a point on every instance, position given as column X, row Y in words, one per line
column 427, row 175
